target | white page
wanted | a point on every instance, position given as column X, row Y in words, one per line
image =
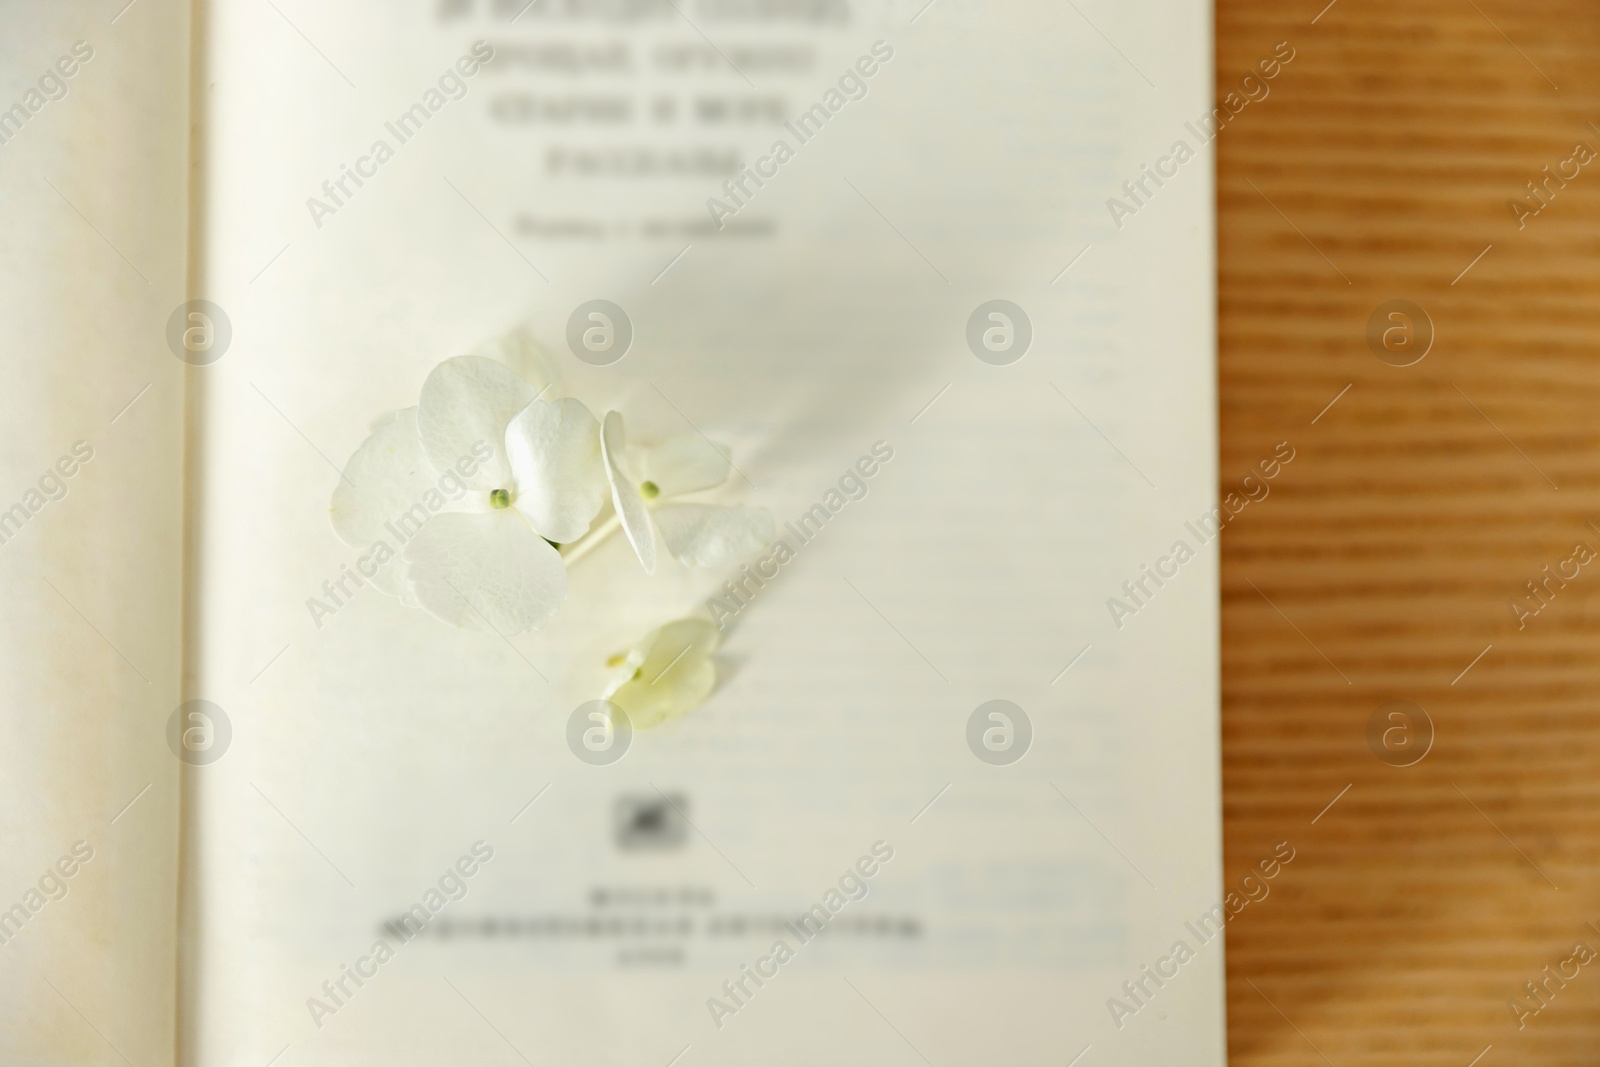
column 376, row 748
column 93, row 158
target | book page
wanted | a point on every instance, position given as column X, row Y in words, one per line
column 93, row 158
column 953, row 794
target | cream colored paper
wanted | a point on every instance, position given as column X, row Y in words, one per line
column 94, row 194
column 374, row 748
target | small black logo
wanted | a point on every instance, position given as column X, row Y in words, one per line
column 650, row 821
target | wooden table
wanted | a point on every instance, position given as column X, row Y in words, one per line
column 1384, row 563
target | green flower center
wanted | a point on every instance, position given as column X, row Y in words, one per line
column 499, row 498
column 649, row 490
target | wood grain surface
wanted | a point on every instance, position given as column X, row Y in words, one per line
column 1387, row 556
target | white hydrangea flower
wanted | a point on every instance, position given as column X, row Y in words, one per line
column 701, row 535
column 497, row 474
column 667, row 674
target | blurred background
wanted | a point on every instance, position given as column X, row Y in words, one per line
column 1386, row 563
column 1406, row 247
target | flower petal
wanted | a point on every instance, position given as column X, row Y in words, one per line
column 527, row 359
column 384, row 480
column 676, row 676
column 554, row 450
column 489, row 566
column 467, row 402
column 685, row 464
column 705, row 535
column 625, row 493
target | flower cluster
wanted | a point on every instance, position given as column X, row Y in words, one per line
column 498, row 551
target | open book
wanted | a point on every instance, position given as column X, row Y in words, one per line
column 905, row 313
